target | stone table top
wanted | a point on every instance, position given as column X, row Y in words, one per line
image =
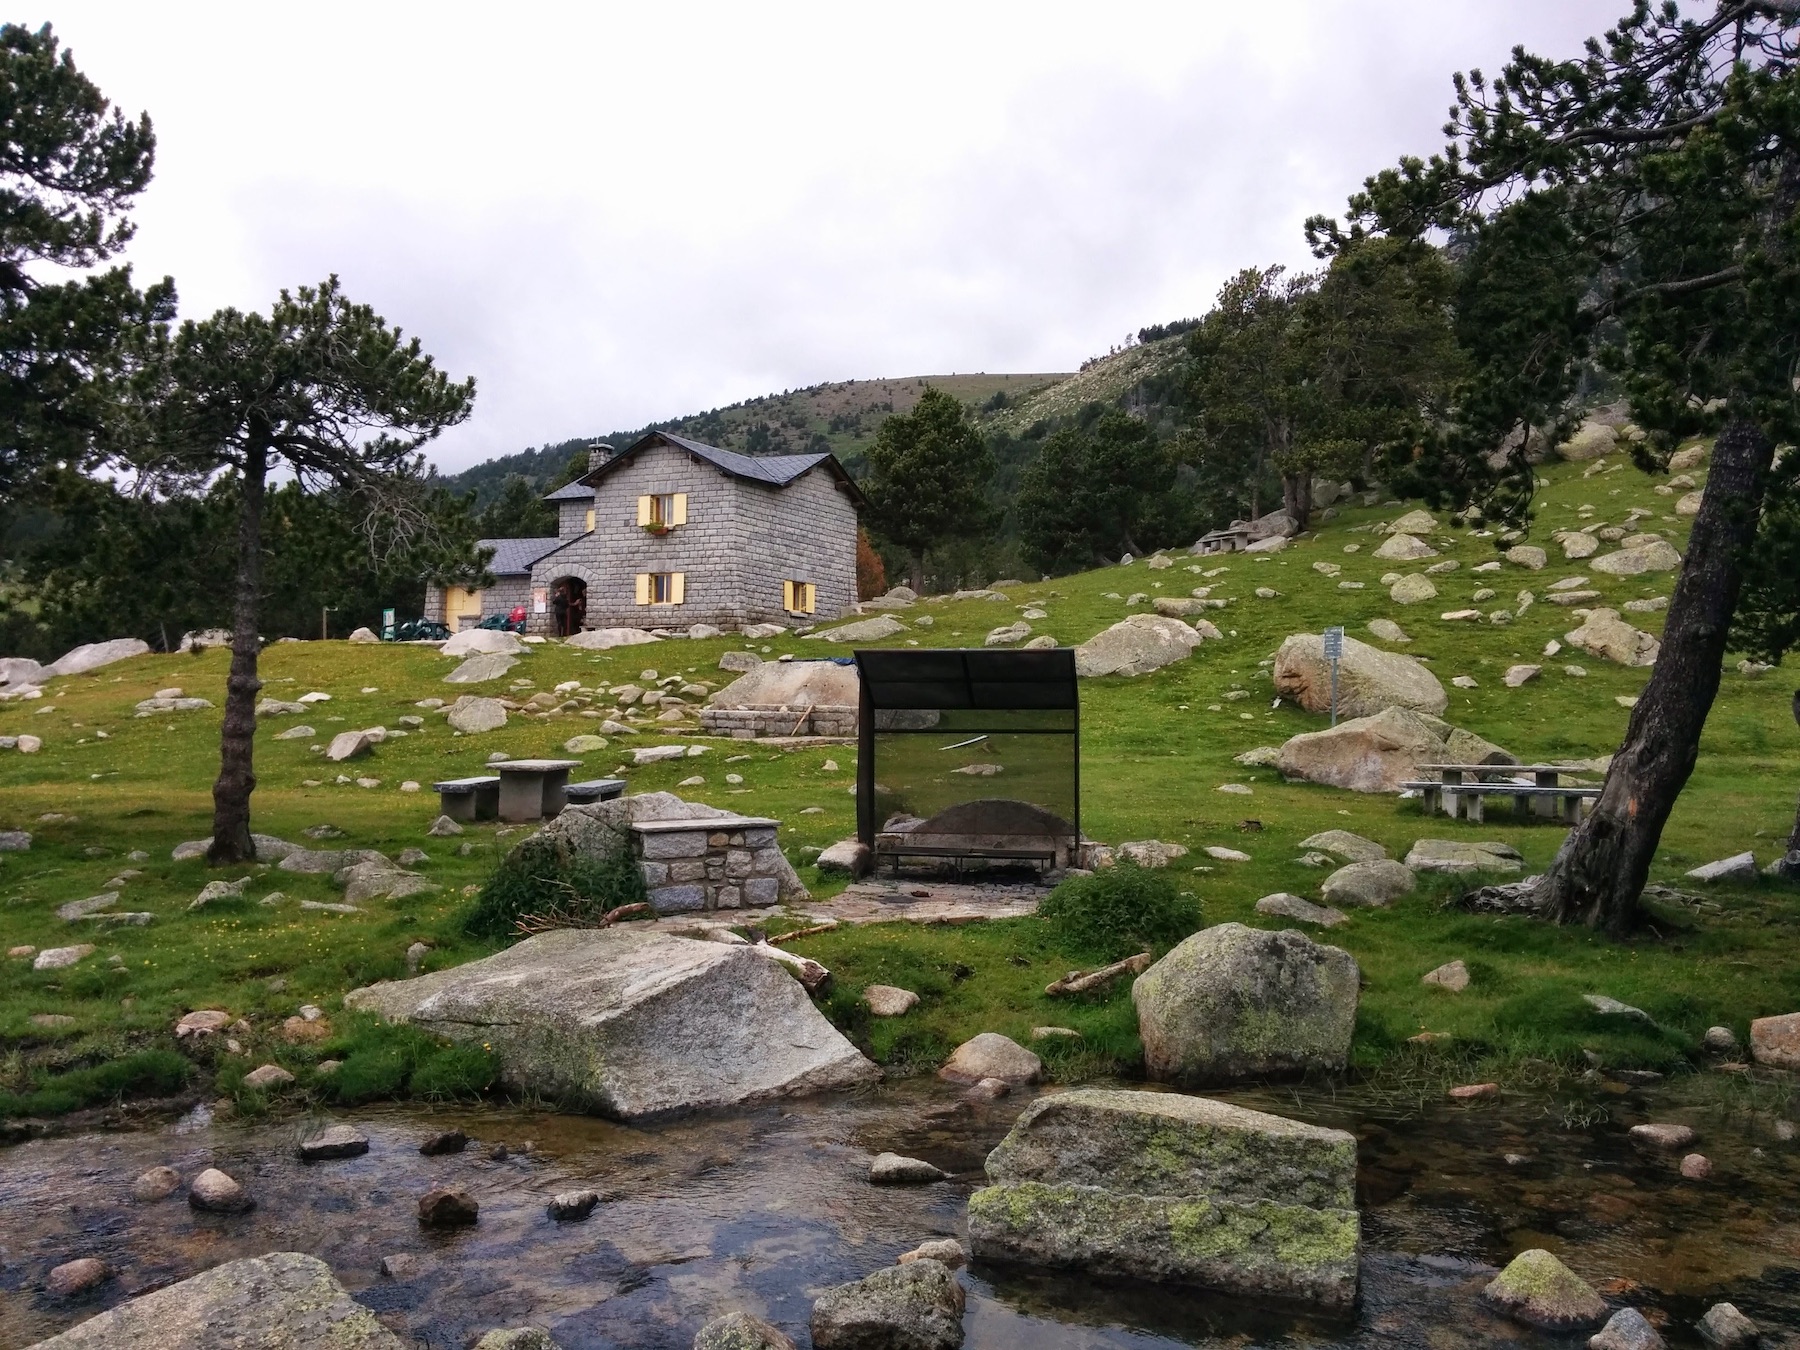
column 534, row 765
column 708, row 823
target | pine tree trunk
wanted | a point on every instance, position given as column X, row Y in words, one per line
column 1794, row 838
column 231, row 842
column 1296, row 497
column 916, row 558
column 1600, row 870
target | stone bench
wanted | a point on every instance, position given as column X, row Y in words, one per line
column 470, row 798
column 717, row 862
column 1470, row 799
column 595, row 790
column 895, row 847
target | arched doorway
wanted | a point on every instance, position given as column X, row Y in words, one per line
column 568, row 605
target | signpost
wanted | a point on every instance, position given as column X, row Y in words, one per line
column 1334, row 652
column 387, row 624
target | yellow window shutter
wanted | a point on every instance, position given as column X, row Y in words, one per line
column 677, row 587
column 590, row 520
column 643, row 512
column 643, row 585
column 787, row 595
column 679, row 513
column 809, row 597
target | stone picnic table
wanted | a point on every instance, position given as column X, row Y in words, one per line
column 533, row 789
column 1544, row 796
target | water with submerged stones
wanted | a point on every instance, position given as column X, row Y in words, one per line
column 761, row 1210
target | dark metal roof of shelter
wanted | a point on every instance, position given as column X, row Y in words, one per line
column 968, row 678
column 514, row 557
column 769, row 470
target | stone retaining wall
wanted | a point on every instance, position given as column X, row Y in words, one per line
column 705, row 864
column 746, row 724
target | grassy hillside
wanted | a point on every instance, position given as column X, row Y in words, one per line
column 1156, row 749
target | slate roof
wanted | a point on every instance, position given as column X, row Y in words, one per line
column 770, row 470
column 569, row 492
column 514, row 557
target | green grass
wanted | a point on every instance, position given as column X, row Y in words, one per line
column 1154, row 751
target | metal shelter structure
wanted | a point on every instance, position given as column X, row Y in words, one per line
column 969, row 753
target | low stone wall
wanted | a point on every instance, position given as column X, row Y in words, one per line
column 747, row 724
column 728, row 862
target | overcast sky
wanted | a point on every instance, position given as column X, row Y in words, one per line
column 612, row 213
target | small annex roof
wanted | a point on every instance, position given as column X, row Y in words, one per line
column 770, row 470
column 570, row 492
column 514, row 557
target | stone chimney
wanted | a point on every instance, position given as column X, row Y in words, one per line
column 598, row 453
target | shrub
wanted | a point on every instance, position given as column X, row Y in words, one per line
column 1119, row 911
column 382, row 1060
column 546, row 881
column 146, row 1073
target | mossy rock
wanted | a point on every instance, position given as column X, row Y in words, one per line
column 1540, row 1291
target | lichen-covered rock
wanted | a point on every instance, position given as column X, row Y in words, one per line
column 918, row 1306
column 281, row 1301
column 991, row 1055
column 1463, row 855
column 863, row 630
column 1233, row 1003
column 1344, row 844
column 1725, row 1328
column 1136, row 645
column 1369, row 885
column 631, row 1023
column 1368, row 678
column 1627, row 1329
column 1603, row 633
column 1542, row 1292
column 740, row 1331
column 1365, row 754
column 517, row 1338
column 1176, row 1189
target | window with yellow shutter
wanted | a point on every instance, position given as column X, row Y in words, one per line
column 660, row 512
column 661, row 588
column 590, row 520
column 797, row 597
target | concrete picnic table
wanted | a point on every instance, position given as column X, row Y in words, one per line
column 533, row 789
column 1547, row 796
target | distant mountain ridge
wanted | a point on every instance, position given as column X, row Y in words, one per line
column 843, row 416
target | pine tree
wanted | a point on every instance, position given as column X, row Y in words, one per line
column 323, row 388
column 1634, row 207
column 929, row 471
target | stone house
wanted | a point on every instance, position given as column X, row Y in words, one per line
column 669, row 533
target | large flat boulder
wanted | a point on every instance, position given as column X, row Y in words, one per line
column 478, row 641
column 1369, row 679
column 1136, row 645
column 1233, row 1003
column 1604, row 634
column 1175, row 1189
column 863, row 630
column 1639, row 554
column 482, row 667
column 630, row 1023
column 605, row 639
column 281, row 1301
column 80, row 660
column 20, row 671
column 798, row 685
column 1365, row 754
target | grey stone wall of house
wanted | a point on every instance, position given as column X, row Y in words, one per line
column 504, row 595
column 716, row 864
column 708, row 549
column 803, row 532
column 740, row 542
column 571, row 518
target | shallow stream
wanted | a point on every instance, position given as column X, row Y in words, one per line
column 763, row 1209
